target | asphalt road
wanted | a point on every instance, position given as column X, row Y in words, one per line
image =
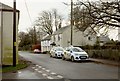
column 72, row 70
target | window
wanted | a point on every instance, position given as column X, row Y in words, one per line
column 89, row 38
column 58, row 37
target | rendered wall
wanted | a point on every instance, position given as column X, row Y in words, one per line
column 7, row 38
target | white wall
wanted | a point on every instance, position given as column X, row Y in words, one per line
column 45, row 45
column 78, row 38
column 119, row 34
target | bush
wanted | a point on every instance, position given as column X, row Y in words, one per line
column 105, row 54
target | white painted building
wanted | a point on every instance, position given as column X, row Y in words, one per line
column 6, row 33
column 63, row 35
column 45, row 43
column 118, row 34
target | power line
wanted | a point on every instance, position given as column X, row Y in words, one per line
column 28, row 11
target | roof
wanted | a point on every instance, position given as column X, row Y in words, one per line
column 47, row 37
column 4, row 7
column 61, row 30
column 104, row 38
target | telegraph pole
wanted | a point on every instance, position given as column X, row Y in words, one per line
column 14, row 33
column 71, row 22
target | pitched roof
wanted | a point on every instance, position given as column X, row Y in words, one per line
column 5, row 7
column 61, row 30
column 47, row 37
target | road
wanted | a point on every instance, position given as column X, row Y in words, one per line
column 71, row 70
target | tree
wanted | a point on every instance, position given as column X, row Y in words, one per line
column 57, row 19
column 97, row 15
column 47, row 20
column 25, row 41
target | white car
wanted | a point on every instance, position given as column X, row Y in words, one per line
column 56, row 52
column 75, row 54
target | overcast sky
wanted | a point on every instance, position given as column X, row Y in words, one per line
column 37, row 6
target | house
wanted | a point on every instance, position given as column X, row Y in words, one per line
column 45, row 43
column 62, row 37
column 118, row 34
column 6, row 34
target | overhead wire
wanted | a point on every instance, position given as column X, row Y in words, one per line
column 28, row 11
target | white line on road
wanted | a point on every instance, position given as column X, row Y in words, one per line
column 48, row 70
column 39, row 71
column 59, row 76
column 40, row 66
column 37, row 65
column 50, row 77
column 44, row 74
column 43, row 68
column 53, row 73
column 36, row 69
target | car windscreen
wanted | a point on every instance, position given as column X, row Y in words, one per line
column 77, row 50
column 59, row 49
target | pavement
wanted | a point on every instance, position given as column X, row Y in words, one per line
column 23, row 74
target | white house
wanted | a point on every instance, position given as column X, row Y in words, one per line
column 45, row 43
column 6, row 33
column 118, row 34
column 80, row 38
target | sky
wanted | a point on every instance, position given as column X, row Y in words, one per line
column 37, row 6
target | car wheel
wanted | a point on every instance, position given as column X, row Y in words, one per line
column 55, row 55
column 72, row 59
column 50, row 55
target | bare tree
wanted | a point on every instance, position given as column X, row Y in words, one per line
column 57, row 19
column 47, row 20
column 97, row 15
column 44, row 21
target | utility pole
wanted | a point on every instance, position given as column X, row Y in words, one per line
column 14, row 33
column 71, row 22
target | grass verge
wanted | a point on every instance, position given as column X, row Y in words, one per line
column 22, row 64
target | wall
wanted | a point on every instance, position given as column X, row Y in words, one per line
column 7, row 34
column 45, row 45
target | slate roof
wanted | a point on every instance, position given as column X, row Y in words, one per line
column 61, row 30
column 5, row 7
column 47, row 37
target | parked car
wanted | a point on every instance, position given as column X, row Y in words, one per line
column 56, row 52
column 37, row 51
column 75, row 54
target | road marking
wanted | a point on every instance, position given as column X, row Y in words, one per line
column 43, row 68
column 59, row 76
column 37, row 65
column 44, row 74
column 48, row 70
column 40, row 66
column 36, row 69
column 39, row 71
column 50, row 77
column 53, row 73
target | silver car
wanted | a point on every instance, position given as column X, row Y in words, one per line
column 56, row 52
